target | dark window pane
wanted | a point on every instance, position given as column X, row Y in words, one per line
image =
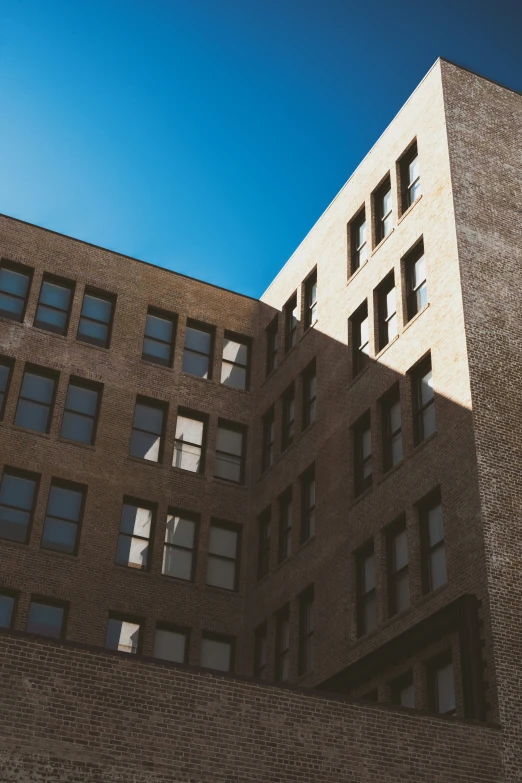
column 11, row 306
column 17, row 491
column 59, row 535
column 76, row 427
column 216, row 654
column 6, row 610
column 195, row 364
column 55, row 295
column 122, row 635
column 156, row 349
column 170, row 645
column 96, row 308
column 37, row 388
column 148, row 418
column 160, row 328
column 82, row 400
column 54, row 319
column 65, row 503
column 32, row 416
column 197, row 340
column 5, row 371
column 93, row 331
column 13, row 282
column 45, row 619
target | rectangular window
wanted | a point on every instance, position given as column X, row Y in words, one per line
column 260, row 650
column 80, row 417
column 17, row 501
column 362, row 458
column 309, row 395
column 416, row 286
column 267, row 453
column 358, row 241
column 15, row 282
column 285, row 525
column 147, row 429
column 159, row 337
column 398, row 576
column 179, row 551
column 360, row 334
column 401, row 690
column 63, row 517
column 263, row 544
column 6, row 371
column 441, row 685
column 433, row 550
column 387, row 309
column 135, row 534
column 272, row 346
column 288, row 428
column 171, row 643
column 223, row 556
column 230, row 452
column 391, row 429
column 123, row 634
column 217, row 652
column 383, row 211
column 96, row 318
column 310, row 291
column 189, row 444
column 282, row 652
column 308, row 504
column 36, row 400
column 290, row 313
column 423, row 400
column 47, row 617
column 366, row 597
column 198, row 350
column 306, row 631
column 54, row 304
column 235, row 367
column 8, row 602
column 410, row 177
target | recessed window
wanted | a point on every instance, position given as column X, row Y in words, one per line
column 306, row 631
column 441, row 685
column 82, row 406
column 96, row 318
column 190, row 438
column 358, row 241
column 171, row 644
column 433, row 551
column 230, row 452
column 360, row 334
column 387, row 310
column 179, row 551
column 260, row 650
column 416, row 286
column 17, row 501
column 54, row 305
column 285, row 525
column 391, row 429
column 263, row 543
column 123, row 634
column 47, row 618
column 288, row 426
column 8, row 600
column 267, row 453
column 147, row 429
column 410, row 177
column 159, row 337
column 282, row 652
column 15, row 282
column 309, row 395
column 223, row 556
column 308, row 504
column 217, row 652
column 310, row 296
column 235, row 367
column 135, row 532
column 366, row 597
column 383, row 210
column 36, row 400
column 290, row 315
column 362, row 458
column 6, row 371
column 197, row 353
column 272, row 346
column 63, row 517
column 398, row 567
column 423, row 400
column 401, row 689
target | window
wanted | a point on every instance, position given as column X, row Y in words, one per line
column 391, row 429
column 287, row 432
column 235, row 367
column 147, row 429
column 54, row 304
column 423, row 400
column 308, row 504
column 179, row 551
column 217, row 652
column 306, row 631
column 260, row 650
column 96, row 318
column 432, row 544
column 290, row 311
column 372, row 695
column 135, row 533
column 17, row 501
column 309, row 395
column 263, row 545
column 311, row 300
column 8, row 601
column 282, row 656
column 223, row 556
column 80, row 417
column 398, row 577
column 267, row 453
column 123, row 634
column 441, row 685
column 359, row 246
column 410, row 177
column 360, row 339
column 230, row 448
column 387, row 310
column 159, row 337
column 366, row 598
column 36, row 400
column 272, row 345
column 15, row 282
column 416, row 287
column 63, row 517
column 47, row 618
column 383, row 211
column 197, row 354
column 362, row 440
column 188, row 446
column 285, row 525
column 171, row 643
column 6, row 369
column 401, row 689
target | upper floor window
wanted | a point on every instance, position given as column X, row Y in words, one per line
column 260, row 650
column 63, row 517
column 189, row 443
column 36, row 400
column 47, row 617
column 287, row 432
column 358, row 241
column 423, row 400
column 135, row 533
column 310, row 290
column 441, row 685
column 383, row 211
column 282, row 656
column 8, row 601
column 285, row 525
column 263, row 543
column 391, row 429
column 290, row 313
column 272, row 345
column 387, row 309
column 360, row 334
column 159, row 337
column 366, row 597
column 362, row 441
column 309, row 394
column 171, row 643
column 80, row 416
column 223, row 556
column 416, row 286
column 402, row 693
column 54, row 304
column 217, row 652
column 198, row 350
column 306, row 631
column 15, row 282
column 410, row 177
column 147, row 429
column 308, row 504
column 96, row 318
column 179, row 551
column 433, row 551
column 6, row 370
column 267, row 449
column 17, row 501
column 235, row 367
column 398, row 565
column 230, row 452
column 123, row 634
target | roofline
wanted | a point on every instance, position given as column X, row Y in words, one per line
column 480, row 75
column 124, row 255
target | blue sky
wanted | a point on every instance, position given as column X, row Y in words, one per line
column 207, row 136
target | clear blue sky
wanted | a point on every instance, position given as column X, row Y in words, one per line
column 207, row 136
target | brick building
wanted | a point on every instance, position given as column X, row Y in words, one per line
column 276, row 539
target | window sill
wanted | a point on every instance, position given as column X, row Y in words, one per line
column 262, row 580
column 225, row 483
column 17, row 428
column 390, row 471
column 222, row 590
column 48, row 332
column 360, row 374
column 381, row 243
column 360, row 497
column 304, row 544
column 415, row 317
column 385, row 348
column 195, row 377
column 308, row 330
column 138, row 461
column 88, row 446
column 302, row 677
column 409, row 210
column 4, row 319
column 184, row 472
column 57, row 553
column 420, row 445
column 354, row 274
column 266, row 471
column 102, row 348
column 235, row 389
column 157, row 365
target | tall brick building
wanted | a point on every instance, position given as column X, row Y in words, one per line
column 277, row 539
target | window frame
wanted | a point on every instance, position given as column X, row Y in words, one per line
column 82, row 489
column 20, row 269
column 202, row 418
column 427, row 504
column 394, row 574
column 306, row 479
column 306, row 636
column 83, row 383
column 28, row 476
column 264, row 522
column 378, row 209
column 190, row 516
column 200, row 326
column 310, row 304
column 354, row 227
column 131, row 500
column 398, row 684
column 288, row 417
column 160, row 405
column 389, row 435
column 290, row 324
column 126, row 618
column 361, row 482
column 61, row 282
column 272, row 339
column 164, row 315
column 384, row 317
column 260, row 637
column 309, row 401
column 43, row 372
column 268, row 439
column 15, row 595
column 433, row 666
column 9, row 362
column 44, row 600
column 247, row 342
column 284, row 546
column 282, row 654
column 360, row 359
column 106, row 296
column 363, row 595
column 408, row 268
column 243, row 430
column 417, row 373
column 173, row 628
column 220, row 637
column 404, row 163
column 234, row 528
